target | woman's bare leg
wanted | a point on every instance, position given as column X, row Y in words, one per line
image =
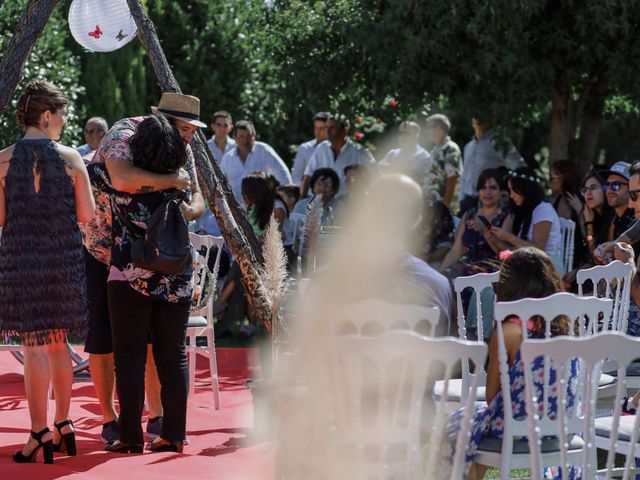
column 62, row 381
column 36, row 383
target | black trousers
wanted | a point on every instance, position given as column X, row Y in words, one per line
column 133, row 316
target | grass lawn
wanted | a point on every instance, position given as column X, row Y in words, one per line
column 495, row 473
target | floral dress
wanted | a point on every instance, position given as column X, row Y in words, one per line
column 488, row 419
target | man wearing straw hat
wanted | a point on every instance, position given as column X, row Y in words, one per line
column 115, row 154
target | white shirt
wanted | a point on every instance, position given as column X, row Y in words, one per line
column 262, row 158
column 350, row 154
column 217, row 153
column 411, row 162
column 302, row 159
column 544, row 212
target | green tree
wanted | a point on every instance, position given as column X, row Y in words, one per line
column 50, row 60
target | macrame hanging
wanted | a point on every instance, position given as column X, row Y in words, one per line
column 100, row 25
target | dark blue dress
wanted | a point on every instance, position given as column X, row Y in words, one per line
column 42, row 277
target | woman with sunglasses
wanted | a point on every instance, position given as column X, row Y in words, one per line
column 597, row 215
column 475, row 249
column 535, row 221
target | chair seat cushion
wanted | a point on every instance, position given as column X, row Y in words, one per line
column 604, row 425
column 633, row 370
column 197, row 322
column 454, row 392
column 606, row 380
column 549, row 445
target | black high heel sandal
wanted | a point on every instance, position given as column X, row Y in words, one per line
column 47, row 449
column 67, row 441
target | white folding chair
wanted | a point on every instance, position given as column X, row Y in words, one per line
column 512, row 452
column 201, row 318
column 616, row 277
column 459, row 388
column 374, row 317
column 616, row 433
column 568, row 233
column 613, row 433
column 368, row 404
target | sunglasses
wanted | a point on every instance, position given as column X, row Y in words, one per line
column 633, row 194
column 592, row 188
column 614, row 186
column 90, row 130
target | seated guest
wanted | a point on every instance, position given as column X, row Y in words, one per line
column 535, row 222
column 410, row 159
column 259, row 200
column 616, row 189
column 288, row 196
column 565, row 180
column 597, row 215
column 526, row 273
column 475, row 249
column 325, row 182
column 437, row 232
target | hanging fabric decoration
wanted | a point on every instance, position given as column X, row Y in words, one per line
column 101, row 26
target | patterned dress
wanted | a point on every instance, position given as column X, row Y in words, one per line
column 488, row 419
column 138, row 210
column 42, row 273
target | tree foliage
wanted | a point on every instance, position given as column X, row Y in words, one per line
column 50, row 60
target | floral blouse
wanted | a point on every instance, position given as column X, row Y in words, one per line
column 115, row 144
column 138, row 210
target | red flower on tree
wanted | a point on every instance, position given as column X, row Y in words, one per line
column 358, row 119
column 358, row 136
column 393, row 103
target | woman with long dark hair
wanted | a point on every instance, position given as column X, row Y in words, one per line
column 44, row 193
column 597, row 215
column 526, row 273
column 535, row 222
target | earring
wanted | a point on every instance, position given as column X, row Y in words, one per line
column 46, row 124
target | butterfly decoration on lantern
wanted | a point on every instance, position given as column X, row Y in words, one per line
column 101, row 26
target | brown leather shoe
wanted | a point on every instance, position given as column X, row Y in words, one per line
column 162, row 445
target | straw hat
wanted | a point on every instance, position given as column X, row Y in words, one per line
column 182, row 107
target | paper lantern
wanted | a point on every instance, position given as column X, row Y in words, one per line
column 101, row 25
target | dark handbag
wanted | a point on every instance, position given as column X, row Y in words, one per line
column 164, row 247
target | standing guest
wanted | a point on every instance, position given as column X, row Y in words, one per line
column 445, row 167
column 220, row 143
column 565, row 181
column 481, row 153
column 306, row 149
column 336, row 153
column 145, row 303
column 115, row 153
column 250, row 156
column 526, row 273
column 44, row 193
column 475, row 249
column 410, row 159
column 535, row 222
column 94, row 130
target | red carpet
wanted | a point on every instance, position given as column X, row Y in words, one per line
column 222, row 445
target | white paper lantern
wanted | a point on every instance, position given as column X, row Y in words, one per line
column 101, row 25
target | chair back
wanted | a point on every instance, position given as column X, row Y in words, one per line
column 568, row 234
column 582, row 313
column 297, row 230
column 375, row 401
column 477, row 283
column 561, row 354
column 374, row 317
column 610, row 281
column 205, row 280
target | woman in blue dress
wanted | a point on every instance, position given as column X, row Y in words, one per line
column 526, row 273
